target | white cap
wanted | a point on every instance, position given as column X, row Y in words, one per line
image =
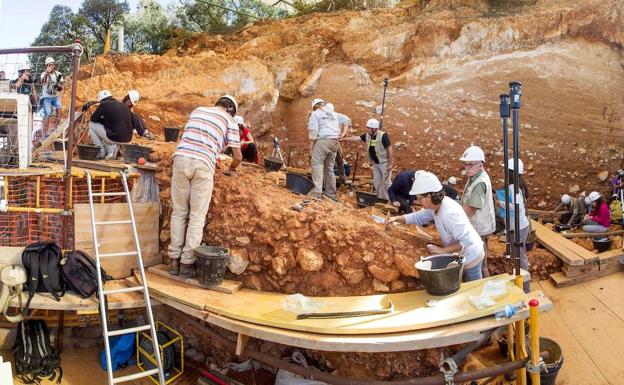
column 103, row 95
column 49, row 60
column 473, row 154
column 317, row 101
column 452, row 180
column 372, row 123
column 620, row 172
column 565, row 199
column 233, row 101
column 23, row 67
column 587, row 201
column 134, row 96
column 425, row 182
column 593, row 196
column 239, row 120
column 510, row 165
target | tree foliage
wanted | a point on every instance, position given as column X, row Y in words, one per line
column 149, row 29
column 100, row 15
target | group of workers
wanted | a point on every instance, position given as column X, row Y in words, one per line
column 591, row 211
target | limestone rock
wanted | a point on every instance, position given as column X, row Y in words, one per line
column 243, row 241
column 574, row 189
column 352, row 275
column 383, row 273
column 405, row 264
column 542, row 204
column 239, row 260
column 309, row 260
column 279, row 265
column 603, row 175
column 378, row 286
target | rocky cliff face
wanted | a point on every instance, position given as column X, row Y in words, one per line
column 447, row 62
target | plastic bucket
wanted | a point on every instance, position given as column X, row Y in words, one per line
column 88, row 151
column 553, row 361
column 171, row 134
column 440, row 274
column 272, row 163
column 298, row 183
column 211, row 262
column 601, row 244
column 132, row 152
column 365, row 199
column 58, row 145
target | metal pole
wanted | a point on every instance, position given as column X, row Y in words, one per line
column 383, row 103
column 65, row 48
column 504, row 113
column 76, row 52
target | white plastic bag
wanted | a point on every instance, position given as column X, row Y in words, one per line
column 491, row 290
column 300, row 304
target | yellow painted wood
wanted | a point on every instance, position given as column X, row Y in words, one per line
column 411, row 311
column 119, row 238
column 227, row 286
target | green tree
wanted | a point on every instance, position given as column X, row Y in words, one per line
column 100, row 15
column 149, row 29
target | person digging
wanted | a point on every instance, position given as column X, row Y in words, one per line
column 140, row 128
column 575, row 210
column 456, row 231
column 207, row 132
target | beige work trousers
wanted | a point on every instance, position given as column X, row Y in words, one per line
column 191, row 190
column 323, row 159
column 382, row 179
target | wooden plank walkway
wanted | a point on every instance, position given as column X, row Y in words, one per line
column 588, row 324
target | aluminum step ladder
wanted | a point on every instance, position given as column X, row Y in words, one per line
column 143, row 287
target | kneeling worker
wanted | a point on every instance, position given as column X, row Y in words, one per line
column 399, row 192
column 450, row 220
column 111, row 123
column 575, row 208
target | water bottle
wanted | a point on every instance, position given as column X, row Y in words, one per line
column 508, row 311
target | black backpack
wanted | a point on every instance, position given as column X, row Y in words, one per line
column 35, row 358
column 78, row 272
column 42, row 263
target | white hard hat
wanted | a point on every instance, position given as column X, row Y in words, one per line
column 330, row 107
column 473, row 154
column 593, row 196
column 425, row 182
column 239, row 120
column 452, row 180
column 587, row 201
column 24, row 67
column 103, row 95
column 49, row 60
column 134, row 96
column 233, row 100
column 317, row 101
column 565, row 199
column 372, row 123
column 510, row 165
column 620, row 172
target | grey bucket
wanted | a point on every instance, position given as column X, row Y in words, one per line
column 440, row 274
column 211, row 262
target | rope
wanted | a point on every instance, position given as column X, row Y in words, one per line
column 449, row 373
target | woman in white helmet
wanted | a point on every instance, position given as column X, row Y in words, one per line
column 524, row 221
column 599, row 218
column 450, row 220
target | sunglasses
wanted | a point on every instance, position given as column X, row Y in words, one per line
column 471, row 165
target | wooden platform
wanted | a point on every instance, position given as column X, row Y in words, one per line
column 388, row 342
column 72, row 302
column 227, row 286
column 588, row 324
column 579, row 264
column 411, row 311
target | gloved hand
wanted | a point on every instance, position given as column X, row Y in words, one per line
column 148, row 135
column 87, row 105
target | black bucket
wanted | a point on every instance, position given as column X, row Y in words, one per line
column 171, row 134
column 132, row 152
column 58, row 145
column 88, row 151
column 553, row 361
column 562, row 227
column 298, row 183
column 500, row 336
column 601, row 244
column 211, row 262
column 365, row 199
column 272, row 163
column 443, row 275
column 565, row 217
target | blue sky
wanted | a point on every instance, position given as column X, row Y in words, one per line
column 21, row 20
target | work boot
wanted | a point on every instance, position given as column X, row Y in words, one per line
column 174, row 266
column 187, row 270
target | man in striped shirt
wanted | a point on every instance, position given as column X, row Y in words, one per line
column 207, row 132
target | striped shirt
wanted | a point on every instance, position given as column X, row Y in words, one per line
column 208, row 131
